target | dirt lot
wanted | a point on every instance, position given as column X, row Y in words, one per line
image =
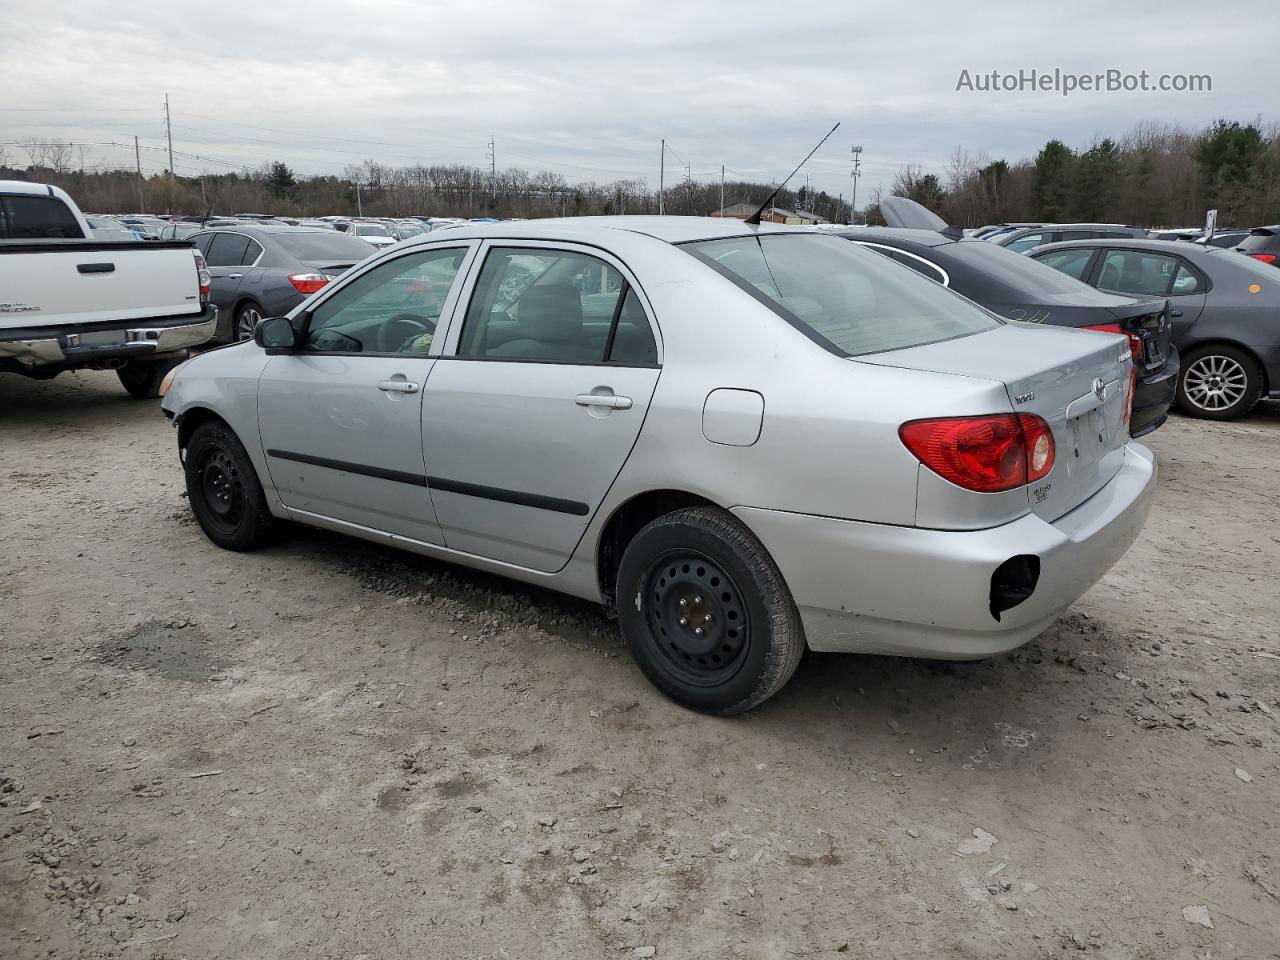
column 330, row 749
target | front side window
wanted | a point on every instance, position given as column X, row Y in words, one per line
column 555, row 306
column 849, row 300
column 1070, row 262
column 393, row 308
column 1138, row 274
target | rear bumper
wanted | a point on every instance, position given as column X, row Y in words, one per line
column 874, row 588
column 71, row 347
column 1154, row 394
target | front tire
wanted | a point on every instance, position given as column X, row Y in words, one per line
column 1219, row 383
column 706, row 613
column 224, row 491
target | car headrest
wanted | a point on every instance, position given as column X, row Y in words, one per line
column 551, row 312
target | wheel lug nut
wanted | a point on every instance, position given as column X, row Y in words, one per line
column 697, row 631
column 706, row 618
column 684, row 622
column 697, row 599
column 684, row 602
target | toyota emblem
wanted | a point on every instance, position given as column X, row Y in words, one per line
column 1099, row 388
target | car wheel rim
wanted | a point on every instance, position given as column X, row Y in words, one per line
column 1214, row 382
column 696, row 618
column 249, row 318
column 222, row 489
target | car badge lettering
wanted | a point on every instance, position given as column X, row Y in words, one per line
column 1025, row 397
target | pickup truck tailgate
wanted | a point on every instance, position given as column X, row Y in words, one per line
column 56, row 282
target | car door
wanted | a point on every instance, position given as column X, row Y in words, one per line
column 1149, row 273
column 340, row 418
column 224, row 256
column 537, row 400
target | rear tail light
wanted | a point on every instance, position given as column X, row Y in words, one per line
column 308, row 282
column 1135, row 341
column 202, row 277
column 987, row 454
column 1264, row 257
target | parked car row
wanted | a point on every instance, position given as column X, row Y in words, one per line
column 1261, row 243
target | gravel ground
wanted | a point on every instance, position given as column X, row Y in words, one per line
column 329, row 749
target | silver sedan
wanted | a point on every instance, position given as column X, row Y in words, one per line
column 740, row 439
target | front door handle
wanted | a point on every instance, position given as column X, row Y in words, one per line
column 234, row 276
column 398, row 386
column 603, row 400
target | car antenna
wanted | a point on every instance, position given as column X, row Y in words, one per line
column 754, row 219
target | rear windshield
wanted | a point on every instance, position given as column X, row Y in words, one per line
column 371, row 230
column 37, row 218
column 1021, row 276
column 850, row 300
column 327, row 245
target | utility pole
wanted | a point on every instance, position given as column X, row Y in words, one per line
column 722, row 189
column 169, row 130
column 493, row 172
column 662, row 170
column 857, row 169
column 137, row 156
column 359, row 203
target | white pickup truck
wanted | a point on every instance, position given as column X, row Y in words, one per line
column 69, row 302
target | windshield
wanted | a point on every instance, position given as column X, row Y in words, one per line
column 850, row 300
column 104, row 230
column 371, row 230
column 324, row 245
column 408, row 230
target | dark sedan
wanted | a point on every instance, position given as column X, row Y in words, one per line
column 266, row 271
column 1013, row 286
column 1263, row 244
column 1225, row 309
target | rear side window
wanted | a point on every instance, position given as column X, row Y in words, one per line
column 38, row 218
column 226, row 250
column 1023, row 244
column 251, row 253
column 1139, row 274
column 849, row 300
column 554, row 306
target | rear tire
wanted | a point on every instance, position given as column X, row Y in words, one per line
column 1219, row 383
column 247, row 317
column 142, row 377
column 706, row 613
column 223, row 489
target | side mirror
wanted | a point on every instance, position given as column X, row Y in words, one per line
column 275, row 335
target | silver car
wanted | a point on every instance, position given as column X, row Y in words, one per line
column 740, row 439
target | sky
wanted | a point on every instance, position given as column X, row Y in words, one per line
column 590, row 89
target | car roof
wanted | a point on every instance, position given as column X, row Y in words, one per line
column 588, row 229
column 1130, row 243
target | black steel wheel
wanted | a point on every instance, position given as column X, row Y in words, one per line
column 706, row 613
column 224, row 491
column 700, row 616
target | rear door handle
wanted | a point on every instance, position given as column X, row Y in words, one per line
column 234, row 276
column 603, row 400
column 1175, row 313
column 398, row 386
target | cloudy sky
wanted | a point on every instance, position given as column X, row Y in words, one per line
column 588, row 89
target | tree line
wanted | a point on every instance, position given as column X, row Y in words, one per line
column 1155, row 175
column 376, row 189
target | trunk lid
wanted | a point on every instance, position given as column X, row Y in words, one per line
column 1077, row 380
column 329, row 268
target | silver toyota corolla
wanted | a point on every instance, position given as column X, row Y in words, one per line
column 742, row 439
